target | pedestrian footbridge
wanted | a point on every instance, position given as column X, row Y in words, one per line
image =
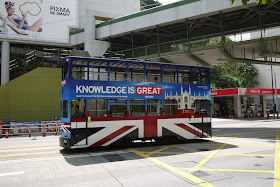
column 196, row 32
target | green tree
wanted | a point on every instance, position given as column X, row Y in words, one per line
column 257, row 1
column 146, row 4
column 231, row 75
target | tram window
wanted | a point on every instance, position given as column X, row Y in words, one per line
column 98, row 74
column 118, row 74
column 137, row 75
column 136, row 107
column 185, row 75
column 196, row 76
column 78, row 108
column 204, row 76
column 169, row 74
column 66, row 70
column 153, row 76
column 154, row 107
column 170, row 107
column 118, row 110
column 65, row 109
column 80, row 72
column 98, row 108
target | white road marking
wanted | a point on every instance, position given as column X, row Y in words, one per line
column 13, row 173
column 61, row 157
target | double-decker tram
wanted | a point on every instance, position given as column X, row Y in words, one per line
column 117, row 102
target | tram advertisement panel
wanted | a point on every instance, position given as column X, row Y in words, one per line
column 37, row 20
column 133, row 90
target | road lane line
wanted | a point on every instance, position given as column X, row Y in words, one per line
column 232, row 170
column 207, row 158
column 174, row 169
column 277, row 161
column 10, row 174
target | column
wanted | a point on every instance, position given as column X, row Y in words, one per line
column 89, row 35
column 264, row 103
column 5, row 62
column 237, row 106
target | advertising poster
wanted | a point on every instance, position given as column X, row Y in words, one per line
column 39, row 20
column 134, row 90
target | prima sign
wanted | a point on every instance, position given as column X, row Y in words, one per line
column 60, row 11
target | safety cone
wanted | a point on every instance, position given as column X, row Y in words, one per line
column 7, row 134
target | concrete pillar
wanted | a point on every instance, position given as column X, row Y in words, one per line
column 237, row 105
column 89, row 32
column 92, row 46
column 264, row 103
column 5, row 62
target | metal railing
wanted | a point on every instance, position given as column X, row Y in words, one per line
column 214, row 40
column 30, row 129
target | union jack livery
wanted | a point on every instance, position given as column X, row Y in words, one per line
column 115, row 102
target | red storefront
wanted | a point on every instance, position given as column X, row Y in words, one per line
column 240, row 102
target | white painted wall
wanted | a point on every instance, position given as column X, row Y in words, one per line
column 191, row 11
column 124, row 7
column 264, row 77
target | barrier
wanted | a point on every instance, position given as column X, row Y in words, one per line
column 0, row 129
column 31, row 128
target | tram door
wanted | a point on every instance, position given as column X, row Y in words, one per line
column 79, row 122
column 202, row 106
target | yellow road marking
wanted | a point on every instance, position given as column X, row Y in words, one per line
column 172, row 153
column 207, row 158
column 232, row 170
column 157, row 151
column 277, row 161
column 198, row 153
column 243, row 154
column 174, row 169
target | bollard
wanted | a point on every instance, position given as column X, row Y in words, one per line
column 7, row 134
column 44, row 132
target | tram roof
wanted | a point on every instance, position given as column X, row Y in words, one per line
column 136, row 63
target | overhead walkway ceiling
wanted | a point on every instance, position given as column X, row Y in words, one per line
column 181, row 27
